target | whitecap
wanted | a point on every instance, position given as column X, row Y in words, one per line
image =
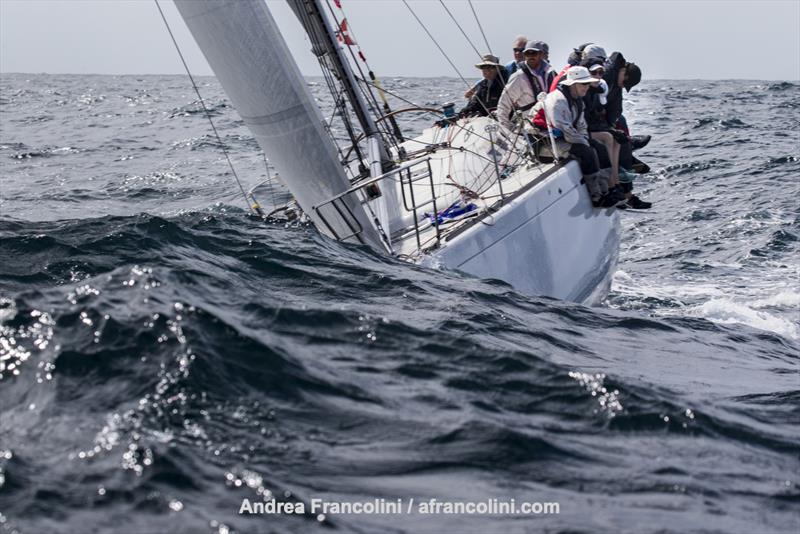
column 726, row 311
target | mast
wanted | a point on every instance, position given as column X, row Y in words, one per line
column 250, row 58
column 321, row 32
column 323, row 37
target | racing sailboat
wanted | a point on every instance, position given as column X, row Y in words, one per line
column 468, row 195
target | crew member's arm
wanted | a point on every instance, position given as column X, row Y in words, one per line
column 506, row 103
column 561, row 115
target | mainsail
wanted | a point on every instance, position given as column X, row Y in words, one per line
column 250, row 58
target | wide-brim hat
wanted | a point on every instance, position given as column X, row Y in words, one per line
column 579, row 75
column 488, row 60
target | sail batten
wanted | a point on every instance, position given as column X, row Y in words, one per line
column 250, row 58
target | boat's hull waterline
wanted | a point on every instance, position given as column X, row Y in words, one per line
column 548, row 240
column 526, row 223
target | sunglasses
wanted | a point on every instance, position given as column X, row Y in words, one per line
column 518, row 50
column 598, row 71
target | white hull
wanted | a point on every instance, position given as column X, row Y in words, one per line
column 548, row 240
column 466, row 195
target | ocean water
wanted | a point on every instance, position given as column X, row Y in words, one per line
column 164, row 355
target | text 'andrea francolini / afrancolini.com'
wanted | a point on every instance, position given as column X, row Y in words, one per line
column 322, row 508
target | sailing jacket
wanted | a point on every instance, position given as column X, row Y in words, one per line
column 487, row 94
column 614, row 99
column 567, row 115
column 511, row 67
column 521, row 91
column 595, row 108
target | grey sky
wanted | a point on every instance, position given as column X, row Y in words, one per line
column 669, row 39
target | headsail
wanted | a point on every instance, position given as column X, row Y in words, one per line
column 246, row 51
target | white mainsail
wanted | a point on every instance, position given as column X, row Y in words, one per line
column 250, row 58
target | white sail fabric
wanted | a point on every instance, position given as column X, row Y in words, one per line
column 241, row 42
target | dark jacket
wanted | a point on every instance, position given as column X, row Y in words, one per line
column 615, row 62
column 595, row 111
column 486, row 96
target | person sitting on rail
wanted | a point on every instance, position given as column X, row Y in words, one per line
column 545, row 48
column 597, row 54
column 595, row 113
column 532, row 77
column 511, row 67
column 576, row 57
column 519, row 46
column 564, row 109
column 489, row 88
column 622, row 74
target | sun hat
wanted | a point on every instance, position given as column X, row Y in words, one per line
column 488, row 60
column 579, row 75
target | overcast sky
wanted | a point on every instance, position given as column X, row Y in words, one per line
column 668, row 39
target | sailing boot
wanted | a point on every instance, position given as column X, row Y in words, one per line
column 639, row 141
column 639, row 204
column 603, row 179
column 593, row 186
column 639, row 166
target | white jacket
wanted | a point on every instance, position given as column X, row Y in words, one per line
column 562, row 116
column 519, row 92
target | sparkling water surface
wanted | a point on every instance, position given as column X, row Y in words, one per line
column 164, row 356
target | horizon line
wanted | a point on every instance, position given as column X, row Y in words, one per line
column 383, row 76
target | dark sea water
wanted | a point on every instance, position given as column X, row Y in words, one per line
column 164, row 356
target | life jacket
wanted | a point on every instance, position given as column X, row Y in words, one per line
column 554, row 85
column 539, row 119
column 536, row 87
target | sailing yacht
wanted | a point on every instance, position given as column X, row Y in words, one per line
column 470, row 195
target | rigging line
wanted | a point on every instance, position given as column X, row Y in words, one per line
column 480, row 27
column 327, row 67
column 460, row 28
column 437, row 45
column 486, row 109
column 395, row 95
column 269, row 182
column 368, row 95
column 340, row 106
column 407, row 101
column 348, row 47
column 395, row 129
column 205, row 109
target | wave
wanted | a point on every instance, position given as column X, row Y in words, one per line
column 728, row 311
